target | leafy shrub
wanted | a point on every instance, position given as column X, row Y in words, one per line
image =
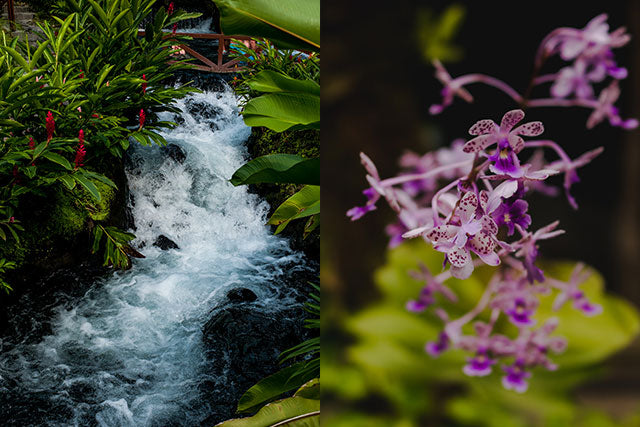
column 72, row 101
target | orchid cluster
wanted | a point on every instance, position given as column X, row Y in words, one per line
column 469, row 201
column 589, row 52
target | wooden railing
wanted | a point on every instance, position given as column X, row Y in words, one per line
column 223, row 44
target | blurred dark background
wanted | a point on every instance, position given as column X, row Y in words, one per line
column 376, row 90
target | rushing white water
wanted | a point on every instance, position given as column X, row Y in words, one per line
column 129, row 352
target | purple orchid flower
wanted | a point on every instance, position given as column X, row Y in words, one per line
column 516, row 377
column 451, row 88
column 520, row 312
column 435, row 349
column 480, row 365
column 570, row 291
column 505, row 160
column 594, row 36
column 510, row 213
column 528, row 248
column 490, row 133
column 576, row 80
column 605, row 109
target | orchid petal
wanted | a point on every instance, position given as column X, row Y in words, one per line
column 442, row 233
column 482, row 244
column 510, row 119
column 467, row 206
column 459, row 257
column 483, row 127
column 479, row 143
column 529, row 129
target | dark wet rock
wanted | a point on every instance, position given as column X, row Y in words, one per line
column 165, row 243
column 175, row 152
column 243, row 344
column 241, row 295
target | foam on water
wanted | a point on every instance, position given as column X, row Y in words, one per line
column 130, row 351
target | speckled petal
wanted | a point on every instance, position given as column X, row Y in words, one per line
column 479, row 143
column 489, row 225
column 483, row 127
column 483, row 199
column 482, row 243
column 442, row 233
column 458, row 257
column 529, row 129
column 516, row 142
column 510, row 119
column 491, row 258
column 462, row 272
column 467, row 207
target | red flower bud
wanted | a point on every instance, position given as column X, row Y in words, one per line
column 81, row 74
column 142, row 118
column 175, row 27
column 32, row 143
column 51, row 126
column 80, row 151
column 12, row 220
column 170, row 9
column 144, row 85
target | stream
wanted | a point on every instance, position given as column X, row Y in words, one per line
column 128, row 350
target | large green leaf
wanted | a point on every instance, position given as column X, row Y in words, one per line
column 271, row 387
column 278, row 168
column 304, row 203
column 301, row 410
column 271, row 81
column 290, row 24
column 284, row 110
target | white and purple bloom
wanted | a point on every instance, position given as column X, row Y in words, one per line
column 451, row 88
column 505, row 160
column 594, row 36
column 480, row 365
column 570, row 292
column 521, row 311
column 490, row 133
column 528, row 248
column 435, row 349
column 605, row 109
column 516, row 377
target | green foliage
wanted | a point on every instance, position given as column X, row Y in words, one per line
column 300, row 410
column 388, row 358
column 278, row 168
column 4, row 266
column 305, row 203
column 86, row 69
column 116, row 246
column 288, row 103
column 263, row 56
column 435, row 33
column 291, row 24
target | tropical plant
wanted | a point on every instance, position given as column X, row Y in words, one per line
column 72, row 99
column 285, row 102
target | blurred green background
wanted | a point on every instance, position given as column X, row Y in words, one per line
column 377, row 86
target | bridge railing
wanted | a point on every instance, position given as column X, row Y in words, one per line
column 223, row 42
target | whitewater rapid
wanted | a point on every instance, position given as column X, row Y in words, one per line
column 129, row 351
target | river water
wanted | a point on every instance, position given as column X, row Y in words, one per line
column 128, row 350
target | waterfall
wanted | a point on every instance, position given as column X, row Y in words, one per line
column 128, row 350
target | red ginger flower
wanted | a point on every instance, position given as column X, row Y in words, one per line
column 80, row 151
column 81, row 74
column 32, row 143
column 51, row 126
column 170, row 9
column 142, row 118
column 175, row 27
column 144, row 85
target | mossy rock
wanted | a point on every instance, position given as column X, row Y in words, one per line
column 55, row 221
